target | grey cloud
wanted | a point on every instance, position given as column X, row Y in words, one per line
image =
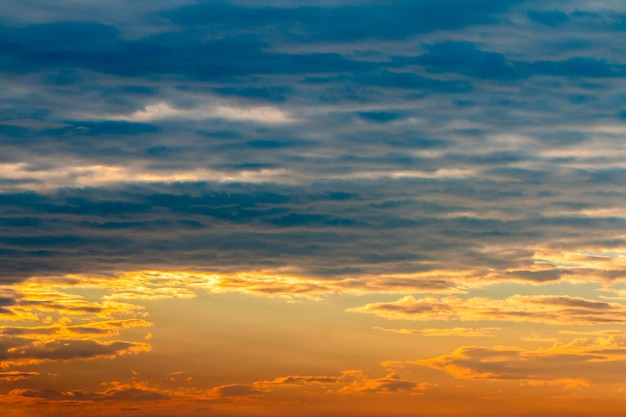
column 8, row 298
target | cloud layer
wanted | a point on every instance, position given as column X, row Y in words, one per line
column 231, row 132
column 454, row 164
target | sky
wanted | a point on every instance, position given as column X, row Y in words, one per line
column 331, row 208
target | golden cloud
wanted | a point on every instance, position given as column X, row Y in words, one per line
column 158, row 285
column 517, row 308
column 23, row 351
column 17, row 375
column 572, row 364
column 117, row 394
column 455, row 331
column 81, row 331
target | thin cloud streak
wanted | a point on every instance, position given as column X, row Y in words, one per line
column 554, row 310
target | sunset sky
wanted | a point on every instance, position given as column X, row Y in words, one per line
column 279, row 208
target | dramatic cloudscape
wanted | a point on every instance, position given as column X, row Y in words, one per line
column 333, row 208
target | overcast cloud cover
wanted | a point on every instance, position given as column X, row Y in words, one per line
column 335, row 138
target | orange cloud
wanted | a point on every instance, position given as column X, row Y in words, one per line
column 456, row 331
column 158, row 285
column 129, row 394
column 594, row 332
column 82, row 331
column 572, row 364
column 599, row 264
column 54, row 338
column 33, row 298
column 234, row 390
column 150, row 395
column 358, row 382
column 347, row 382
column 517, row 308
column 22, row 351
column 16, row 375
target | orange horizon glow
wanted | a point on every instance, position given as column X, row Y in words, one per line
column 64, row 326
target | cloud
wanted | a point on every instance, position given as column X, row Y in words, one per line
column 466, row 59
column 457, row 153
column 456, row 331
column 8, row 298
column 346, row 383
column 164, row 111
column 305, row 379
column 603, row 333
column 79, row 331
column 41, row 298
column 118, row 394
column 548, row 18
column 554, row 310
column 464, row 121
column 234, row 390
column 44, row 295
column 573, row 365
column 12, row 376
column 305, row 388
column 359, row 383
column 23, row 351
column 386, row 20
column 184, row 224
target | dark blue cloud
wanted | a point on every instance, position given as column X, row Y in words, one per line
column 109, row 128
column 367, row 226
column 276, row 94
column 414, row 136
column 409, row 80
column 578, row 67
column 548, row 18
column 188, row 54
column 465, row 58
column 380, row 116
column 383, row 20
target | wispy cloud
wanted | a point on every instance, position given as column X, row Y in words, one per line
column 555, row 310
column 79, row 331
column 159, row 111
column 573, row 364
column 17, row 375
column 24, row 352
column 454, row 331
